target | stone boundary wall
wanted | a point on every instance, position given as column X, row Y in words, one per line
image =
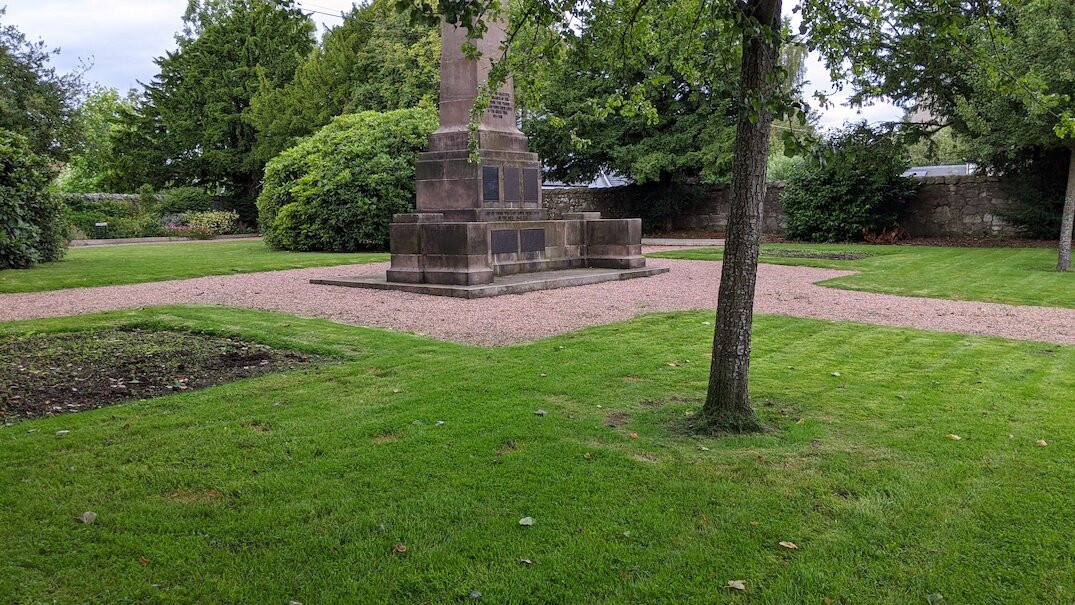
column 960, row 205
column 105, row 197
column 949, row 206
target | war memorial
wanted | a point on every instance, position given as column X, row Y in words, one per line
column 479, row 228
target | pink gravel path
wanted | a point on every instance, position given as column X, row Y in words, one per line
column 782, row 290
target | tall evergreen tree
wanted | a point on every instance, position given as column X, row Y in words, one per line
column 375, row 60
column 194, row 123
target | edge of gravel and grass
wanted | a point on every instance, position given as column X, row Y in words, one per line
column 1018, row 276
column 92, row 266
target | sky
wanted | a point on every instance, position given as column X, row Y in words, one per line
column 120, row 38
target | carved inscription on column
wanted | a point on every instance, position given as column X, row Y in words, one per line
column 500, row 105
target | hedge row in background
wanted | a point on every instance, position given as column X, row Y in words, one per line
column 126, row 215
column 337, row 190
column 135, row 215
column 32, row 229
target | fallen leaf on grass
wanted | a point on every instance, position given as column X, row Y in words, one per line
column 526, row 561
column 399, row 549
column 789, row 545
column 1041, row 443
column 954, row 437
column 526, row 521
column 755, row 523
column 934, row 598
column 143, row 561
column 836, row 374
column 737, row 584
column 88, row 517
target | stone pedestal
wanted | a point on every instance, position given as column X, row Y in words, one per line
column 428, row 249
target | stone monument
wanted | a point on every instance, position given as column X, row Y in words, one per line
column 480, row 229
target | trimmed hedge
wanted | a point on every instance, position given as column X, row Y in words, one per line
column 184, row 199
column 854, row 190
column 126, row 215
column 338, row 189
column 32, row 228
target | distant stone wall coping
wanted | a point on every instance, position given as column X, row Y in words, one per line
column 107, row 197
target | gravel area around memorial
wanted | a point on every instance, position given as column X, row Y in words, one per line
column 783, row 290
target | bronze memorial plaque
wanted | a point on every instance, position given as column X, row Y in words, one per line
column 532, row 240
column 531, row 185
column 505, row 241
column 512, row 186
column 490, row 184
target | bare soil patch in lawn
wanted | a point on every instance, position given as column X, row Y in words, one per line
column 46, row 374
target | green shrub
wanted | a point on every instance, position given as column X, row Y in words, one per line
column 338, row 189
column 184, row 199
column 213, row 222
column 853, row 190
column 32, row 228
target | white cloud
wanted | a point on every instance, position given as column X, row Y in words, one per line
column 119, row 37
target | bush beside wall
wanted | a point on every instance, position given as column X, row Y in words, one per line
column 853, row 192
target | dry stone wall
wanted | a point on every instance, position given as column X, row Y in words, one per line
column 949, row 206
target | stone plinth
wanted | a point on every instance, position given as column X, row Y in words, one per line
column 428, row 249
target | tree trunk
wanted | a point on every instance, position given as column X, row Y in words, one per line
column 1067, row 221
column 727, row 406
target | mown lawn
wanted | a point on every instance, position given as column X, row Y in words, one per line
column 297, row 486
column 138, row 263
column 1021, row 276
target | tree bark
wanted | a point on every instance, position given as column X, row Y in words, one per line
column 727, row 406
column 1067, row 220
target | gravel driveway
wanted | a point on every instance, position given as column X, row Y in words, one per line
column 782, row 290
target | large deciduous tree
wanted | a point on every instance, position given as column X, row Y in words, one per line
column 87, row 171
column 682, row 132
column 1032, row 108
column 1000, row 73
column 860, row 42
column 35, row 101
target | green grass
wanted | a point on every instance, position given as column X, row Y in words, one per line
column 194, row 506
column 1021, row 276
column 138, row 263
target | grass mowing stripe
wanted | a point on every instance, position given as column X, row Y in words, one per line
column 1021, row 276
